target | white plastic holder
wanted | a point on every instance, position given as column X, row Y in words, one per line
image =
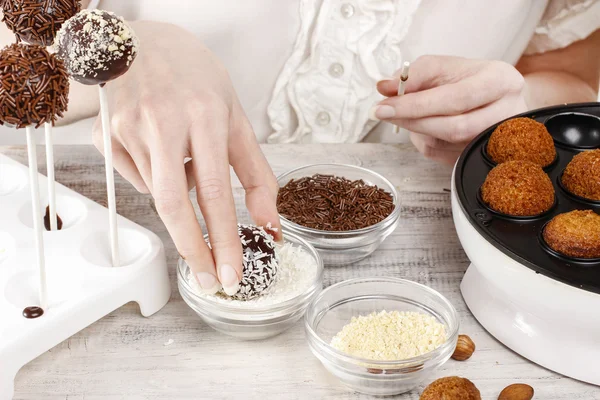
column 82, row 284
column 552, row 324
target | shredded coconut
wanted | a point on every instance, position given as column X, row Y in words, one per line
column 100, row 47
column 168, row 342
column 390, row 336
column 297, row 271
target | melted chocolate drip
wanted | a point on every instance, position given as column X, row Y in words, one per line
column 32, row 312
column 59, row 222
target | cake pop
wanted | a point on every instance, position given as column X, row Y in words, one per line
column 34, row 86
column 259, row 262
column 37, row 21
column 97, row 46
column 44, row 98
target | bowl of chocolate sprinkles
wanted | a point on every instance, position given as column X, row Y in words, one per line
column 344, row 211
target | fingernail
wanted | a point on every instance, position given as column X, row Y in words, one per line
column 208, row 282
column 382, row 112
column 229, row 279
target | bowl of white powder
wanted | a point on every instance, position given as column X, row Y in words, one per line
column 298, row 280
column 381, row 336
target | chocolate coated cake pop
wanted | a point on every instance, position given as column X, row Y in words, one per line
column 37, row 21
column 97, row 46
column 259, row 261
column 34, row 86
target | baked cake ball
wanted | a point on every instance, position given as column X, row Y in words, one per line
column 260, row 262
column 451, row 388
column 518, row 188
column 575, row 234
column 522, row 139
column 97, row 46
column 34, row 86
column 582, row 175
column 37, row 21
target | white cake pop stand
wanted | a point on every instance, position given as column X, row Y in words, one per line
column 82, row 285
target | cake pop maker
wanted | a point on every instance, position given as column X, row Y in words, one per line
column 543, row 305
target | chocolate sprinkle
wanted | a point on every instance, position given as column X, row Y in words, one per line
column 34, row 86
column 332, row 203
column 37, row 21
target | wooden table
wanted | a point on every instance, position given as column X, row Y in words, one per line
column 127, row 356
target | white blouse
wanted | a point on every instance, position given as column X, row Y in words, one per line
column 305, row 70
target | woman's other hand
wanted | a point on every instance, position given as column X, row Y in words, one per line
column 449, row 100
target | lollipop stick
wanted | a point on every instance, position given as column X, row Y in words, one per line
column 37, row 214
column 402, row 84
column 50, row 171
column 110, row 177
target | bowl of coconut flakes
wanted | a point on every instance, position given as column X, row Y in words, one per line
column 279, row 281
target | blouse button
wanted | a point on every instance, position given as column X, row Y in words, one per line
column 336, row 70
column 347, row 10
column 323, row 118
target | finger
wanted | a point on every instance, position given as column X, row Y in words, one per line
column 464, row 127
column 175, row 209
column 257, row 178
column 214, row 194
column 140, row 154
column 389, row 87
column 122, row 161
column 450, row 99
column 427, row 72
column 440, row 152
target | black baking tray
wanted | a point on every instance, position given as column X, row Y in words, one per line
column 575, row 128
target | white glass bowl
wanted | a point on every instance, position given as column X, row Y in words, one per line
column 346, row 247
column 252, row 323
column 335, row 306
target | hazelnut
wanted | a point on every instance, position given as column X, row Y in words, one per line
column 464, row 348
column 517, row 391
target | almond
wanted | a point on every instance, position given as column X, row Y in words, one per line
column 517, row 391
column 464, row 348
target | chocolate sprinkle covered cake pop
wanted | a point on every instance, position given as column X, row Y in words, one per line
column 260, row 262
column 97, row 46
column 34, row 86
column 37, row 21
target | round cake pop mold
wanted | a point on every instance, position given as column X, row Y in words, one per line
column 71, row 210
column 95, row 248
column 21, row 289
column 575, row 130
column 517, row 218
column 82, row 287
column 7, row 247
column 584, row 262
column 584, row 202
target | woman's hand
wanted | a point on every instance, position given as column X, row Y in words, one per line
column 449, row 100
column 177, row 102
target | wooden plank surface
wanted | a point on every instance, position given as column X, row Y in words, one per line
column 124, row 356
